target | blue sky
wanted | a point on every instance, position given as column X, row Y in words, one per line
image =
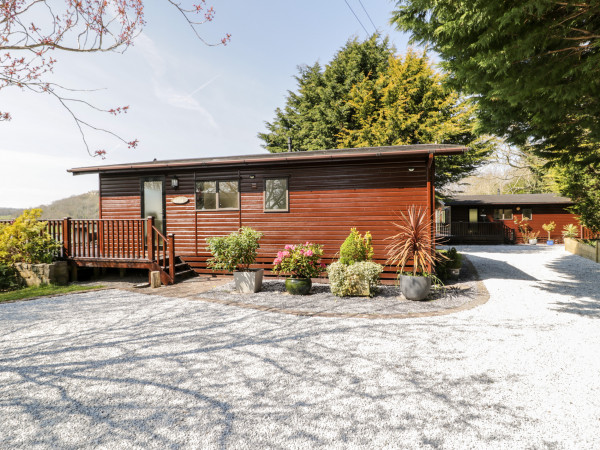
column 186, row 99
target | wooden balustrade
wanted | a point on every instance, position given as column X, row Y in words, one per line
column 119, row 240
column 586, row 233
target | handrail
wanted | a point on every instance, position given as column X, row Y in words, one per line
column 165, row 253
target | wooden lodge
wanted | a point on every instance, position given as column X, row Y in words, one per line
column 490, row 219
column 291, row 197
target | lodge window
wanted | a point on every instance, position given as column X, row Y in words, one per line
column 276, row 195
column 503, row 214
column 527, row 214
column 213, row 195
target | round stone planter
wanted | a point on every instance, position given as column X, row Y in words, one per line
column 532, row 241
column 415, row 288
column 298, row 286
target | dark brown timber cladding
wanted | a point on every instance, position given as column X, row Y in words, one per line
column 326, row 199
column 541, row 214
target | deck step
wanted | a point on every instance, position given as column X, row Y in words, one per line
column 185, row 274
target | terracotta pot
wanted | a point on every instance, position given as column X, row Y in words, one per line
column 298, row 286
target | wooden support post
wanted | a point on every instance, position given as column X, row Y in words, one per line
column 431, row 202
column 73, row 272
column 155, row 279
column 149, row 237
column 122, row 272
column 171, row 243
column 66, row 235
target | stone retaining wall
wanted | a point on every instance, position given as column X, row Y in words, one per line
column 36, row 274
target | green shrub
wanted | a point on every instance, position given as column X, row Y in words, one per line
column 570, row 231
column 8, row 278
column 450, row 259
column 350, row 280
column 235, row 251
column 26, row 240
column 356, row 248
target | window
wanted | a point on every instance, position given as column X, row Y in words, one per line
column 276, row 194
column 527, row 214
column 503, row 214
column 211, row 195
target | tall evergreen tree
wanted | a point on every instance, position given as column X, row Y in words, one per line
column 315, row 113
column 532, row 65
column 367, row 96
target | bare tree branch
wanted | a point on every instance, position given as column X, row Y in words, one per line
column 30, row 30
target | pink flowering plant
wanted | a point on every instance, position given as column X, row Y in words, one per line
column 300, row 261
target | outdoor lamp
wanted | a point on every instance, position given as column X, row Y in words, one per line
column 174, row 182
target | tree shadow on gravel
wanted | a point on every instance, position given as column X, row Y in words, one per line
column 202, row 375
column 582, row 285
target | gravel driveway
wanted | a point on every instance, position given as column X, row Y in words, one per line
column 115, row 369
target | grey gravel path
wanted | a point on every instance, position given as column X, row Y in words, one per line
column 115, row 369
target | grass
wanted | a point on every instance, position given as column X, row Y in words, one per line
column 42, row 291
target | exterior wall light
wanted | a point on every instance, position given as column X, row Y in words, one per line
column 411, row 169
column 174, row 182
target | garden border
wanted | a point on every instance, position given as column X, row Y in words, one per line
column 482, row 296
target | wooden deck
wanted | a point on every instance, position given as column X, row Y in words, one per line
column 475, row 233
column 116, row 243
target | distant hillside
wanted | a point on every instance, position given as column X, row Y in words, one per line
column 83, row 206
column 9, row 213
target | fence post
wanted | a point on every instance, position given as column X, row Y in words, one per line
column 66, row 237
column 171, row 239
column 149, row 236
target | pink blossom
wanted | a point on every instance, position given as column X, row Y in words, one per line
column 323, row 265
column 308, row 252
column 277, row 261
column 285, row 253
column 307, row 243
column 289, row 247
column 280, row 254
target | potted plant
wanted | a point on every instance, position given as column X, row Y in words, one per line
column 414, row 242
column 302, row 262
column 549, row 228
column 532, row 237
column 570, row 231
column 235, row 253
column 529, row 236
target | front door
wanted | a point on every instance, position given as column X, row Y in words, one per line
column 473, row 217
column 153, row 201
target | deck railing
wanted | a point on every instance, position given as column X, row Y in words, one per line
column 482, row 231
column 586, row 233
column 113, row 239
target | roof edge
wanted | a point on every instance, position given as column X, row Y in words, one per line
column 268, row 158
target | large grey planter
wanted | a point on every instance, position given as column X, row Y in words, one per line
column 249, row 281
column 415, row 288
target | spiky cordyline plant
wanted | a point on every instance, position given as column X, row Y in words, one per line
column 413, row 241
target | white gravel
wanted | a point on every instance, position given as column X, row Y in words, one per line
column 115, row 369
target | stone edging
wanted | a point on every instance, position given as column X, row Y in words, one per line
column 482, row 297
